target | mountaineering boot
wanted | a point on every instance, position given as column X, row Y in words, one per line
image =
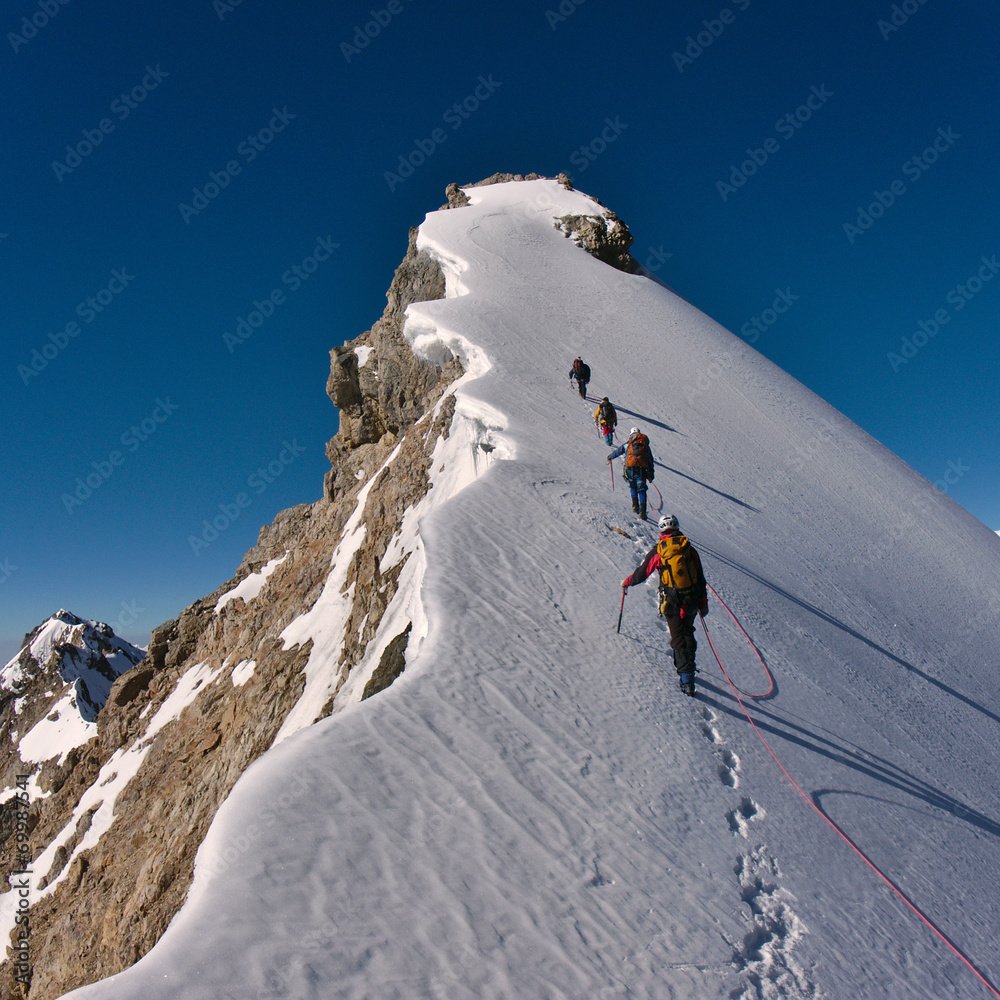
column 687, row 682
column 635, row 506
column 642, row 511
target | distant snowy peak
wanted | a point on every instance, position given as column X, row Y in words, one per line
column 71, row 650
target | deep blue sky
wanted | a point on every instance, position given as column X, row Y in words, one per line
column 613, row 94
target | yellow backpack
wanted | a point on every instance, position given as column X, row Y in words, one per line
column 679, row 576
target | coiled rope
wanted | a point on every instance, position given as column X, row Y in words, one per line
column 854, row 847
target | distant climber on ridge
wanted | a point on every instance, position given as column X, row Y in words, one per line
column 581, row 372
column 606, row 419
column 682, row 594
column 638, row 467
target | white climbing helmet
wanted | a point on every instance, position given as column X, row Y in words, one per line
column 668, row 523
column 634, row 430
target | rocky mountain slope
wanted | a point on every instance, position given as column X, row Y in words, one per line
column 115, row 821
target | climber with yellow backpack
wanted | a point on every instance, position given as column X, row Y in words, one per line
column 683, row 593
column 606, row 419
column 638, row 467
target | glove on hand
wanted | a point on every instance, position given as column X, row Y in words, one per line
column 625, row 583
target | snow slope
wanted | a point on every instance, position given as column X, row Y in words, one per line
column 532, row 810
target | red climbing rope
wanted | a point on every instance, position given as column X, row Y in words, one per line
column 770, row 678
column 854, row 847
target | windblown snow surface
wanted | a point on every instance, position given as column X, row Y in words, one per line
column 533, row 810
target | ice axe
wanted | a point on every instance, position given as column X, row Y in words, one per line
column 622, row 611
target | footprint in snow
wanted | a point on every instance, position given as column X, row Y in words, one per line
column 739, row 818
column 707, row 729
column 766, row 953
column 728, row 769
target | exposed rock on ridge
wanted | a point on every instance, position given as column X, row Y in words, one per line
column 603, row 236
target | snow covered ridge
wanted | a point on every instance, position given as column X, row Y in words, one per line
column 318, row 617
column 531, row 809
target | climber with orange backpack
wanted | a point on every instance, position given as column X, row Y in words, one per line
column 683, row 593
column 638, row 467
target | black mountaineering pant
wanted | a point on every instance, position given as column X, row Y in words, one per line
column 680, row 621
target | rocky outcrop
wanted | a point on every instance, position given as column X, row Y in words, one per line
column 376, row 381
column 390, row 666
column 604, row 236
